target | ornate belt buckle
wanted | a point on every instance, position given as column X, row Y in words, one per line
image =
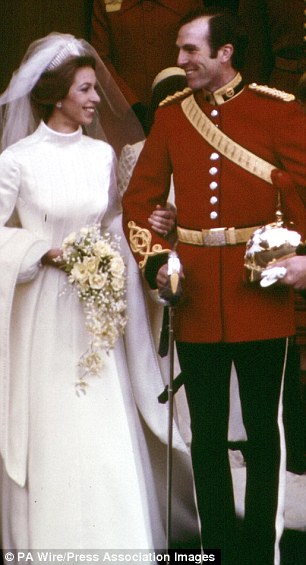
column 215, row 237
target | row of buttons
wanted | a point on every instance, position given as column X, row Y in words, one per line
column 214, row 171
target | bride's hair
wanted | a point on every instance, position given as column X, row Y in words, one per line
column 39, row 82
column 54, row 85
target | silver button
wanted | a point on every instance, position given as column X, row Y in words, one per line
column 214, row 156
column 213, row 200
column 213, row 171
column 213, row 185
column 214, row 113
column 213, row 215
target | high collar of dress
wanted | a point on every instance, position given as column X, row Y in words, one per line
column 49, row 134
column 225, row 93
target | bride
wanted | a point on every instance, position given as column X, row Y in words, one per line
column 79, row 471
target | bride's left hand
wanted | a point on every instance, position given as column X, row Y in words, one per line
column 53, row 258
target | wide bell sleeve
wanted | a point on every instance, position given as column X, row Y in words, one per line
column 20, row 253
column 10, row 182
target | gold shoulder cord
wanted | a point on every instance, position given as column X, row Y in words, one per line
column 224, row 144
column 176, row 96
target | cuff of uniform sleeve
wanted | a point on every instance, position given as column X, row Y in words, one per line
column 152, row 267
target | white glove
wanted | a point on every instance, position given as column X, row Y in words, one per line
column 270, row 276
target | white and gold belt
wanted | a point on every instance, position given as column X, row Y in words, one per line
column 215, row 237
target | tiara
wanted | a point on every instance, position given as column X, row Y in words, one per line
column 69, row 50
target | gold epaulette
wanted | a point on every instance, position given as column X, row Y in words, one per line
column 180, row 95
column 272, row 92
column 112, row 5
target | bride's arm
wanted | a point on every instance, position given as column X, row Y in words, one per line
column 10, row 181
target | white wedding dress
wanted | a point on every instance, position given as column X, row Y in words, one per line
column 77, row 471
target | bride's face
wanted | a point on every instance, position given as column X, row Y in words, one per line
column 78, row 107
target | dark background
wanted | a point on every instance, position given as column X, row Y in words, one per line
column 22, row 21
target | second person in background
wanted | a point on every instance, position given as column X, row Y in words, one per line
column 136, row 40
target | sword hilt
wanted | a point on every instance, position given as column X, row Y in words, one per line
column 174, row 267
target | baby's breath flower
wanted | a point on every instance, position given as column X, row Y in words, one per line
column 85, row 231
column 70, row 239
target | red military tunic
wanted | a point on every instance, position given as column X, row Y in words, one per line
column 211, row 191
column 137, row 40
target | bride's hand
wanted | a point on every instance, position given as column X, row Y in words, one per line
column 53, row 258
column 162, row 220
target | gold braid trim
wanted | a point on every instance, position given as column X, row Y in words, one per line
column 224, row 144
column 179, row 95
column 140, row 241
column 265, row 90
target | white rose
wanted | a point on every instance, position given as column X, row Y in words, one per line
column 101, row 248
column 117, row 266
column 80, row 273
column 91, row 264
column 97, row 281
column 117, row 283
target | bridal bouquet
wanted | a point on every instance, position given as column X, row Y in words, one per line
column 97, row 273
